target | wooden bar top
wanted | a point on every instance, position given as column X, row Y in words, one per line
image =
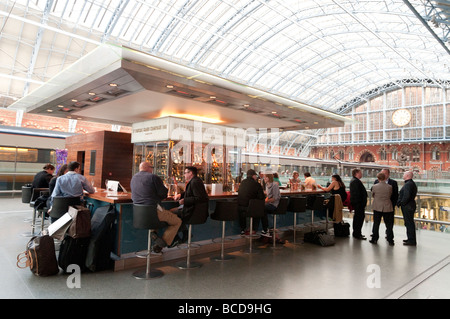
column 125, row 198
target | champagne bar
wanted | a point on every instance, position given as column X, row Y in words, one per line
column 129, row 240
column 169, row 145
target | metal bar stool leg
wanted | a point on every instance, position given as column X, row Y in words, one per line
column 33, row 226
column 222, row 256
column 274, row 246
column 188, row 264
column 147, row 273
column 250, row 250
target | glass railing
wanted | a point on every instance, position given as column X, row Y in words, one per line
column 432, row 212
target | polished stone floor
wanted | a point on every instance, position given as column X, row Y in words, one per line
column 351, row 269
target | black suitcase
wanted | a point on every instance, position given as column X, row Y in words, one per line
column 102, row 239
column 341, row 229
column 73, row 251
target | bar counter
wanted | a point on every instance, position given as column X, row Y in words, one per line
column 128, row 239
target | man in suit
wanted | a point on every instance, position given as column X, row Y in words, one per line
column 382, row 207
column 393, row 183
column 358, row 199
column 194, row 194
column 407, row 202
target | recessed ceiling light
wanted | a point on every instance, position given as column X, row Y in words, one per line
column 212, row 97
column 49, row 111
column 74, row 100
column 246, row 105
column 273, row 112
column 91, row 93
column 316, row 123
column 60, row 105
column 112, row 84
column 169, row 86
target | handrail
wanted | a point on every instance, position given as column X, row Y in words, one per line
column 423, row 220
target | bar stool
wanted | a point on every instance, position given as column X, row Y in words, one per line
column 296, row 205
column 43, row 211
column 146, row 217
column 225, row 211
column 255, row 209
column 199, row 216
column 61, row 204
column 281, row 210
column 36, row 192
column 317, row 205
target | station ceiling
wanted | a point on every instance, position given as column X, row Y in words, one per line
column 322, row 53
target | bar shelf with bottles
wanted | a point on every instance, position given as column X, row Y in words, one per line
column 216, row 164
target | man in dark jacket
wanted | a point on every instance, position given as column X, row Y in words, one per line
column 406, row 201
column 148, row 189
column 42, row 178
column 249, row 189
column 194, row 194
column 358, row 199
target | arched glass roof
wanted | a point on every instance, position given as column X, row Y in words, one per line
column 321, row 52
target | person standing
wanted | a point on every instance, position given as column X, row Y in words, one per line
column 249, row 189
column 407, row 203
column 148, row 189
column 393, row 183
column 358, row 198
column 382, row 208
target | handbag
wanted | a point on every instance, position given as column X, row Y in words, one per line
column 39, row 256
column 81, row 222
column 319, row 237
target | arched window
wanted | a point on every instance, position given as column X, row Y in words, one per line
column 394, row 154
column 435, row 154
column 383, row 156
column 416, row 155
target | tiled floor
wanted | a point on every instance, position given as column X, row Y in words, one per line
column 350, row 269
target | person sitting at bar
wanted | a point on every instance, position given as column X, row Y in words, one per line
column 276, row 178
column 272, row 201
column 249, row 189
column 295, row 179
column 337, row 187
column 42, row 178
column 310, row 183
column 51, row 185
column 194, row 193
column 71, row 184
column 148, row 189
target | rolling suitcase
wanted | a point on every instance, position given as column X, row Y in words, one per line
column 102, row 239
column 73, row 251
